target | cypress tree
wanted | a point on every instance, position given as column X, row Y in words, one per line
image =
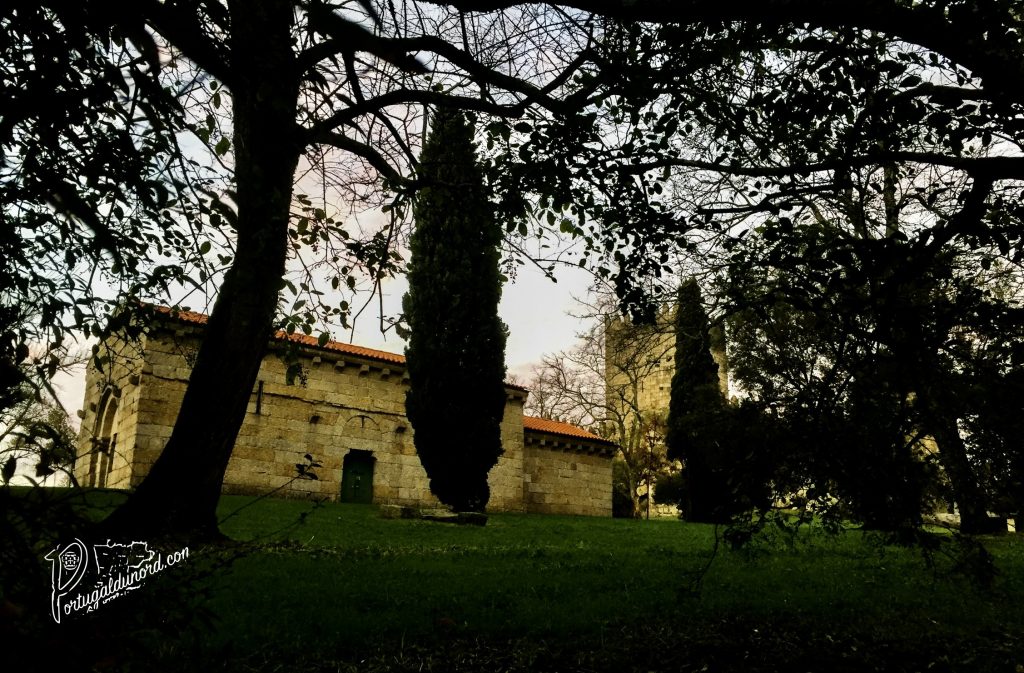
column 695, row 409
column 456, row 350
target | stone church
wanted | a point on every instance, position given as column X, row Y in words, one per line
column 346, row 409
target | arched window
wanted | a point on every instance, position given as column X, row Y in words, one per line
column 104, row 442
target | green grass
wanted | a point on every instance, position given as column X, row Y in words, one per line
column 357, row 581
column 333, row 585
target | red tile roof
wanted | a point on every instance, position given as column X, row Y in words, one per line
column 529, row 422
column 193, row 318
column 563, row 429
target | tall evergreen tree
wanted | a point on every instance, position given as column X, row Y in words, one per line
column 695, row 409
column 456, row 351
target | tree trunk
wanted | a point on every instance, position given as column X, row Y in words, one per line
column 970, row 501
column 634, row 486
column 180, row 494
column 919, row 319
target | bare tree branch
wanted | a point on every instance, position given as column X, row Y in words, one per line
column 994, row 167
column 370, row 155
column 963, row 36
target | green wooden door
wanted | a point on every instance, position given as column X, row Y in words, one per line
column 357, row 477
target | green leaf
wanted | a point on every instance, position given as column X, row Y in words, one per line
column 222, row 147
column 454, row 281
column 10, row 465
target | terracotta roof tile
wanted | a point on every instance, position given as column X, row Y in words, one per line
column 193, row 318
column 340, row 347
column 529, row 422
column 563, row 429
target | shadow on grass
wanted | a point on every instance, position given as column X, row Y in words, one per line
column 336, row 587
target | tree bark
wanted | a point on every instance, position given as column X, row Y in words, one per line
column 969, row 498
column 179, row 495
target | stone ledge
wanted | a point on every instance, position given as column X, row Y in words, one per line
column 440, row 515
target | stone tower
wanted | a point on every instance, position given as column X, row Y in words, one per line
column 646, row 353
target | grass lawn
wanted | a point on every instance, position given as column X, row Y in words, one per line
column 336, row 587
column 349, row 584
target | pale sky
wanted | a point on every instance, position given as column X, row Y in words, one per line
column 535, row 309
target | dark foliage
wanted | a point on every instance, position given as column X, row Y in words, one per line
column 670, row 489
column 694, row 409
column 748, row 462
column 90, row 178
column 994, row 439
column 878, row 367
column 623, row 506
column 163, row 619
column 679, row 67
column 456, row 352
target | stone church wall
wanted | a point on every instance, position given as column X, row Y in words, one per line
column 339, row 403
column 562, row 482
column 109, row 427
column 642, row 361
column 346, row 401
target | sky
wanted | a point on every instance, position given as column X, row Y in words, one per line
column 536, row 310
